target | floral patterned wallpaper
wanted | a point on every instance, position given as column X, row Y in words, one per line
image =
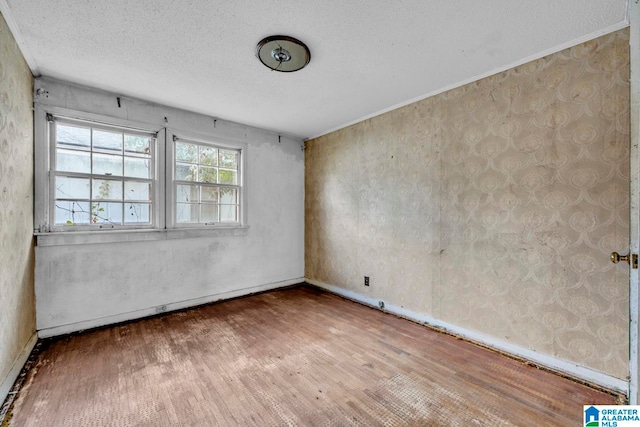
column 17, row 307
column 493, row 206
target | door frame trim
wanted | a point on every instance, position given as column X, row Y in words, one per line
column 634, row 194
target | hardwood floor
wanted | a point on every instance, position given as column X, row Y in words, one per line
column 297, row 357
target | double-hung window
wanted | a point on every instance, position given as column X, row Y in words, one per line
column 109, row 174
column 207, row 183
column 101, row 176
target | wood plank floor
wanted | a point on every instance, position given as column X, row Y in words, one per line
column 299, row 357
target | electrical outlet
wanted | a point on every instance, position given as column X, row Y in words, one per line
column 366, row 280
column 161, row 309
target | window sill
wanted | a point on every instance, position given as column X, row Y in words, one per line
column 116, row 236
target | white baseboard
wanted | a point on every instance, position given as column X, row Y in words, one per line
column 179, row 305
column 18, row 364
column 570, row 368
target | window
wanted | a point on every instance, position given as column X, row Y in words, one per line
column 97, row 173
column 207, row 183
column 102, row 176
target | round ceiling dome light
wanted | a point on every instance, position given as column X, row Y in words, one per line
column 283, row 53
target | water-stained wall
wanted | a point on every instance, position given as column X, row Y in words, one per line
column 493, row 206
column 110, row 277
column 17, row 309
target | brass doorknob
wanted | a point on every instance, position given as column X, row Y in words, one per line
column 631, row 259
column 616, row 257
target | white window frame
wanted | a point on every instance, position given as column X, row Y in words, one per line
column 44, row 205
column 164, row 198
column 175, row 135
column 153, row 178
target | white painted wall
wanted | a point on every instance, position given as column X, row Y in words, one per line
column 87, row 285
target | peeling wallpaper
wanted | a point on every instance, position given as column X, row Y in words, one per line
column 493, row 206
column 17, row 306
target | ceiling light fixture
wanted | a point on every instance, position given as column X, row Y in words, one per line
column 283, row 53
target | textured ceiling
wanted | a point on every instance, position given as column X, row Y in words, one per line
column 366, row 56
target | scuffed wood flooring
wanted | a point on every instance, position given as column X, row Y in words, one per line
column 297, row 357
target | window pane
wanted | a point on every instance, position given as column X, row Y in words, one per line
column 207, row 174
column 107, row 189
column 137, row 213
column 107, row 140
column 135, row 190
column 209, row 194
column 228, row 196
column 137, row 168
column 187, row 193
column 137, row 144
column 106, row 213
column 73, row 136
column 228, row 176
column 73, row 161
column 186, row 212
column 208, row 156
column 229, row 159
column 228, row 213
column 71, row 213
column 208, row 213
column 186, row 172
column 107, row 164
column 72, row 188
column 186, row 152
